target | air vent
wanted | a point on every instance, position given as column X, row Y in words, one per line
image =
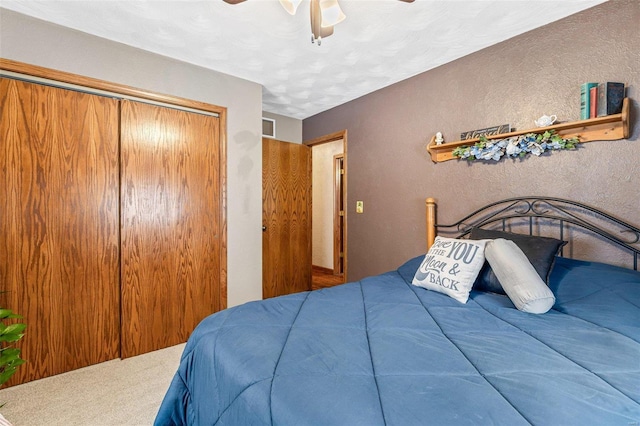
column 268, row 127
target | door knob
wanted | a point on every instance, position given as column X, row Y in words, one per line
column 264, row 228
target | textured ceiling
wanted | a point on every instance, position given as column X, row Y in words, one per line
column 381, row 41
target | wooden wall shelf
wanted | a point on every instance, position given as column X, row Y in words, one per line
column 607, row 128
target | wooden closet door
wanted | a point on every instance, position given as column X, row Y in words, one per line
column 59, row 253
column 171, row 226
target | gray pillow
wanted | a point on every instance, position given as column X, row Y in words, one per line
column 517, row 276
column 541, row 252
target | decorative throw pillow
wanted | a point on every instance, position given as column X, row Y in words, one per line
column 451, row 266
column 518, row 277
column 541, row 252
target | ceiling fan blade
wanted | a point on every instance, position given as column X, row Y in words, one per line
column 233, row 1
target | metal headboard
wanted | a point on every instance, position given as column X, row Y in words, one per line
column 557, row 211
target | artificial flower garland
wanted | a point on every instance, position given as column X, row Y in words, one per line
column 515, row 146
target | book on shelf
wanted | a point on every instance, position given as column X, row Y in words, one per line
column 593, row 102
column 585, row 100
column 610, row 97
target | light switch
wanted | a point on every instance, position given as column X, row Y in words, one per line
column 359, row 206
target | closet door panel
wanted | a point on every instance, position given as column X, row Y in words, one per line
column 59, row 248
column 171, row 242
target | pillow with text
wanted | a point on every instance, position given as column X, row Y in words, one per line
column 451, row 267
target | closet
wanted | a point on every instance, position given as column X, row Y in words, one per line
column 112, row 224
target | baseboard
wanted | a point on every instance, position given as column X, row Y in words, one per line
column 321, row 269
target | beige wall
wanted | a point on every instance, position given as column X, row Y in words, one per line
column 539, row 72
column 323, row 202
column 39, row 43
column 287, row 129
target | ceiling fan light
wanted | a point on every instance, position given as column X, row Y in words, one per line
column 331, row 13
column 290, row 5
column 317, row 31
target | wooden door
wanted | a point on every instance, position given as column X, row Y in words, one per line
column 171, row 224
column 59, row 253
column 286, row 218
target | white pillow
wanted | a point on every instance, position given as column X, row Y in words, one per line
column 451, row 266
column 518, row 277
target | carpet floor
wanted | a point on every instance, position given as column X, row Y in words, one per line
column 118, row 392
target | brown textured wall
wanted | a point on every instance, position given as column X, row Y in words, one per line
column 539, row 72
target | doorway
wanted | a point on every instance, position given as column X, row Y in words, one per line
column 329, row 216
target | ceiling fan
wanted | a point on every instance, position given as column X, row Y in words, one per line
column 325, row 14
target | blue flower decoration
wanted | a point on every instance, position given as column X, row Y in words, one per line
column 516, row 146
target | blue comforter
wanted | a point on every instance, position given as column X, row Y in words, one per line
column 381, row 351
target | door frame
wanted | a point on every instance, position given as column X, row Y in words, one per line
column 332, row 137
column 339, row 211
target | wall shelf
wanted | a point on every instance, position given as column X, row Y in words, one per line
column 607, row 128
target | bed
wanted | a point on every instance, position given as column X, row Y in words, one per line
column 385, row 351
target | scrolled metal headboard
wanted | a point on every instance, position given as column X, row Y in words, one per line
column 557, row 211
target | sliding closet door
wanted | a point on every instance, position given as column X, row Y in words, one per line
column 59, row 250
column 171, row 242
